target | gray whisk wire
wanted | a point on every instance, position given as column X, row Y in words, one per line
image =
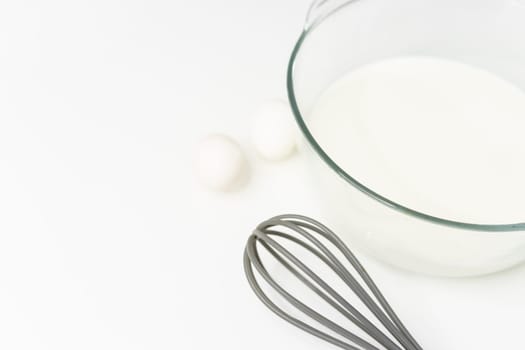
column 306, row 230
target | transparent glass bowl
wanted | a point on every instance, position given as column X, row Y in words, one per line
column 341, row 35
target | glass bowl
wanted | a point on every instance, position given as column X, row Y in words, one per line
column 341, row 36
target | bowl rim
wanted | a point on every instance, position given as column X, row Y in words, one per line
column 514, row 227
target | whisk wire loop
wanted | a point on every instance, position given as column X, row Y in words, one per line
column 351, row 313
column 306, row 229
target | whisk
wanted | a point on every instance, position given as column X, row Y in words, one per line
column 306, row 233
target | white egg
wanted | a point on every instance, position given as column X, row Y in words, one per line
column 273, row 130
column 220, row 163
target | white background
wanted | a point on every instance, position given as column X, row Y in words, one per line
column 106, row 239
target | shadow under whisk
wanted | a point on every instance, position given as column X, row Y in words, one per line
column 308, row 234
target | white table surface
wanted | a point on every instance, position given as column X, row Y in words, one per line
column 107, row 241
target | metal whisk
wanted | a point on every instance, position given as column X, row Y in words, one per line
column 304, row 235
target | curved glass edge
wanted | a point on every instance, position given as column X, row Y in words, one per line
column 320, row 9
column 358, row 185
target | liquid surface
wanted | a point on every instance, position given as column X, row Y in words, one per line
column 437, row 136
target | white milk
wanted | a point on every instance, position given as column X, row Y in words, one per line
column 437, row 136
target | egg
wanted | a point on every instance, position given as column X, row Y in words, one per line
column 220, row 163
column 273, row 132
